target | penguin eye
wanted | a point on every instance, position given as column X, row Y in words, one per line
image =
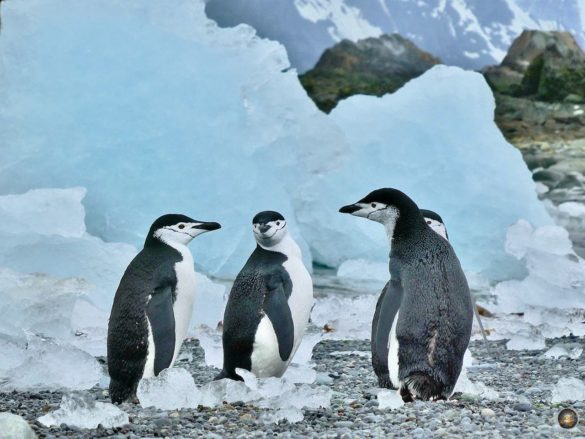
column 374, row 205
column 181, row 226
column 428, row 222
column 278, row 223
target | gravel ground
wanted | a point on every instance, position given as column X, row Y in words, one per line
column 522, row 378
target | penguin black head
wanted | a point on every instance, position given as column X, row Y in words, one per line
column 388, row 206
column 435, row 222
column 269, row 228
column 177, row 229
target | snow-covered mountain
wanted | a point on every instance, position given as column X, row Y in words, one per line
column 466, row 33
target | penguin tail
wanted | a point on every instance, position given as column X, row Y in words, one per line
column 121, row 392
column 224, row 374
column 419, row 385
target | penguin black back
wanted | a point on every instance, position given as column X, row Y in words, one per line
column 128, row 329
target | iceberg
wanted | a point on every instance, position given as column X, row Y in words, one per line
column 171, row 113
column 82, row 411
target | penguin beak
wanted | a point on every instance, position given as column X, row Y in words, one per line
column 263, row 228
column 350, row 208
column 209, row 226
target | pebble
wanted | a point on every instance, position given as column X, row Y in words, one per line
column 487, row 413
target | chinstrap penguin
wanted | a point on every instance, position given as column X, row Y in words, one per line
column 381, row 328
column 269, row 304
column 153, row 305
column 427, row 299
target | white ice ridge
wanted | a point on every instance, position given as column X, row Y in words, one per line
column 175, row 388
column 82, row 411
column 236, row 133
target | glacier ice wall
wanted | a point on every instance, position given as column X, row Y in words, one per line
column 156, row 109
column 434, row 139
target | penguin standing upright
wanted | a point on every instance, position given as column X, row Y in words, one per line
column 427, row 299
column 381, row 327
column 153, row 305
column 269, row 304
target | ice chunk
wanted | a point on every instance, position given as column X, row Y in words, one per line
column 568, row 389
column 474, row 388
column 526, row 340
column 281, row 397
column 345, row 317
column 38, row 303
column 556, row 275
column 82, row 411
column 44, row 212
column 573, row 209
column 389, row 399
column 15, row 427
column 567, row 350
column 37, row 363
column 172, row 389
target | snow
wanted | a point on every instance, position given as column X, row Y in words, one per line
column 569, row 389
column 82, row 411
column 235, row 125
column 389, row 399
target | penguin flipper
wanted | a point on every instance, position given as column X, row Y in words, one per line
column 276, row 308
column 159, row 311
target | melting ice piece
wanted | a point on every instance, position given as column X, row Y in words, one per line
column 568, row 350
column 15, row 427
column 568, row 389
column 82, row 411
column 389, row 399
column 556, row 275
column 466, row 386
column 172, row 389
column 36, row 363
column 526, row 340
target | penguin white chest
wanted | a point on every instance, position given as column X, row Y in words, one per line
column 185, row 296
column 266, row 360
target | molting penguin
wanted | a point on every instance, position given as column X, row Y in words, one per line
column 269, row 304
column 153, row 305
column 427, row 299
column 381, row 328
